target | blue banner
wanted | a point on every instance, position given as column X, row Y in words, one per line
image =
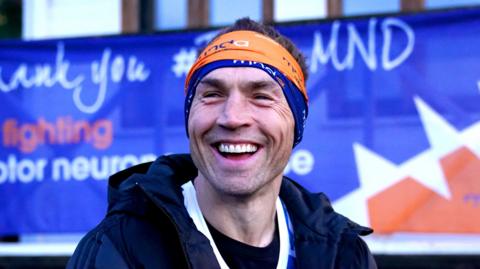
column 394, row 111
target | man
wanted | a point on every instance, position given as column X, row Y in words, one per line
column 228, row 206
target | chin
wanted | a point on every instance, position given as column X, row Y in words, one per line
column 238, row 187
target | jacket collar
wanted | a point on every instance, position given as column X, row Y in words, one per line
column 161, row 184
column 318, row 230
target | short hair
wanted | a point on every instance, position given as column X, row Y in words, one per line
column 247, row 24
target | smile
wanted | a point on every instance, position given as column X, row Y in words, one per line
column 236, row 148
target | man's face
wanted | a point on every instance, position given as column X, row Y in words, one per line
column 241, row 130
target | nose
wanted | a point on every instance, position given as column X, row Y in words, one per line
column 235, row 112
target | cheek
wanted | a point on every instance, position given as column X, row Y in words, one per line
column 280, row 123
column 199, row 119
column 286, row 117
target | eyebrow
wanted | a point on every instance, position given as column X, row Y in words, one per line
column 262, row 84
column 213, row 82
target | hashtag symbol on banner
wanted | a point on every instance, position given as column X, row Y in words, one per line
column 183, row 60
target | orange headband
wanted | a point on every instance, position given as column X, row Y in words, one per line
column 251, row 46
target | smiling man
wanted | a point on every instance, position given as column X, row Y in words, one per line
column 228, row 205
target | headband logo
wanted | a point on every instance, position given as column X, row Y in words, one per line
column 225, row 45
column 254, row 63
column 294, row 71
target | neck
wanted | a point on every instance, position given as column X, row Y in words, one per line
column 249, row 219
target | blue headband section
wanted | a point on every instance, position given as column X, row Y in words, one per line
column 294, row 97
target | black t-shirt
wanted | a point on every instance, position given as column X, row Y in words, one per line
column 238, row 255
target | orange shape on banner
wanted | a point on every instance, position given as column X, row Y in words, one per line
column 409, row 206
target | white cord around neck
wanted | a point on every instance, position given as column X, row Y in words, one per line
column 191, row 203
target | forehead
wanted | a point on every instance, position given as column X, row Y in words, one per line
column 240, row 74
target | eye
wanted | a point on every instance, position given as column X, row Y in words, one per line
column 263, row 97
column 211, row 94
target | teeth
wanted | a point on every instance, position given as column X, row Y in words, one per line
column 238, row 148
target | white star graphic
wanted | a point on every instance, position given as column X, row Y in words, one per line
column 377, row 173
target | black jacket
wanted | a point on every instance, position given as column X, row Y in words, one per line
column 147, row 225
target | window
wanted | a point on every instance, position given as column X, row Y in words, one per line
column 170, row 14
column 226, row 12
column 450, row 3
column 364, row 7
column 286, row 10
